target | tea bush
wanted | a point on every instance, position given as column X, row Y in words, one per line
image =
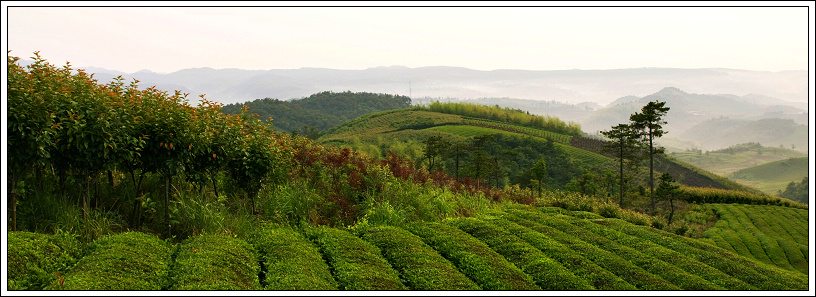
column 215, row 262
column 419, row 265
column 472, row 257
column 125, row 261
column 36, row 260
column 292, row 262
column 355, row 263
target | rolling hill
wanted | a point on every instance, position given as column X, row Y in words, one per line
column 773, row 177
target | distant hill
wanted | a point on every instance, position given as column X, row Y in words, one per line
column 229, row 86
column 724, row 132
column 320, row 111
column 733, row 158
column 774, row 176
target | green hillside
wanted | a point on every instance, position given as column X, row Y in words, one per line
column 774, row 176
column 514, row 247
column 736, row 157
column 319, row 111
column 771, row 234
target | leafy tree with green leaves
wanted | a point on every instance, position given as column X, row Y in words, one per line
column 796, row 191
column 669, row 190
column 434, row 148
column 624, row 143
column 539, row 172
column 649, row 123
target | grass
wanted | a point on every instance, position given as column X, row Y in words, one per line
column 355, row 263
column 290, row 261
column 215, row 262
column 125, row 261
column 473, row 258
column 420, row 266
column 774, row 176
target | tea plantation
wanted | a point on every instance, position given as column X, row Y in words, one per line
column 514, row 247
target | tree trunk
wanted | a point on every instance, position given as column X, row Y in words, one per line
column 671, row 214
column 651, row 170
column 167, row 180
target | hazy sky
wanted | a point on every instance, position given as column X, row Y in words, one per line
column 164, row 39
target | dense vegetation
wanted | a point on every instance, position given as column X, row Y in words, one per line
column 143, row 191
column 319, row 112
column 513, row 247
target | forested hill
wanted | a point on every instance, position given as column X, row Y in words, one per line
column 319, row 111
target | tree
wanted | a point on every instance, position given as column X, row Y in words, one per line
column 623, row 142
column 649, row 125
column 539, row 172
column 669, row 190
column 435, row 147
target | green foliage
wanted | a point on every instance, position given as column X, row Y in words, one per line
column 36, row 260
column 125, row 261
column 760, row 275
column 547, row 273
column 290, row 260
column 473, row 258
column 765, row 233
column 797, row 192
column 595, row 275
column 420, row 267
column 320, row 111
column 497, row 113
column 355, row 263
column 775, row 177
column 215, row 262
column 609, row 260
column 709, row 195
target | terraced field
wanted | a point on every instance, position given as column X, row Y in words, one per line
column 771, row 234
column 516, row 248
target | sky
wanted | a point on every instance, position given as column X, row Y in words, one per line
column 168, row 39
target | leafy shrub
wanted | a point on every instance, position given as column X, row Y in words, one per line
column 474, row 258
column 36, row 260
column 547, row 273
column 760, row 275
column 582, row 267
column 215, row 262
column 126, row 261
column 355, row 263
column 609, row 260
column 419, row 265
column 291, row 261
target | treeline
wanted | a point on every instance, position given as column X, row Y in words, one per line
column 514, row 116
column 66, row 132
column 311, row 115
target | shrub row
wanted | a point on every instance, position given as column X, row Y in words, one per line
column 473, row 258
column 623, row 268
column 420, row 267
column 712, row 195
column 659, row 268
column 215, row 262
column 36, row 260
column 291, row 261
column 355, row 263
column 716, row 277
column 547, row 273
column 762, row 276
column 597, row 276
column 125, row 261
column 777, row 246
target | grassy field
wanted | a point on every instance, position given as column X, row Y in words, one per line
column 774, row 176
column 513, row 247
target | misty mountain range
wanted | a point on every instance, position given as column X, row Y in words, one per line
column 714, row 100
column 569, row 86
